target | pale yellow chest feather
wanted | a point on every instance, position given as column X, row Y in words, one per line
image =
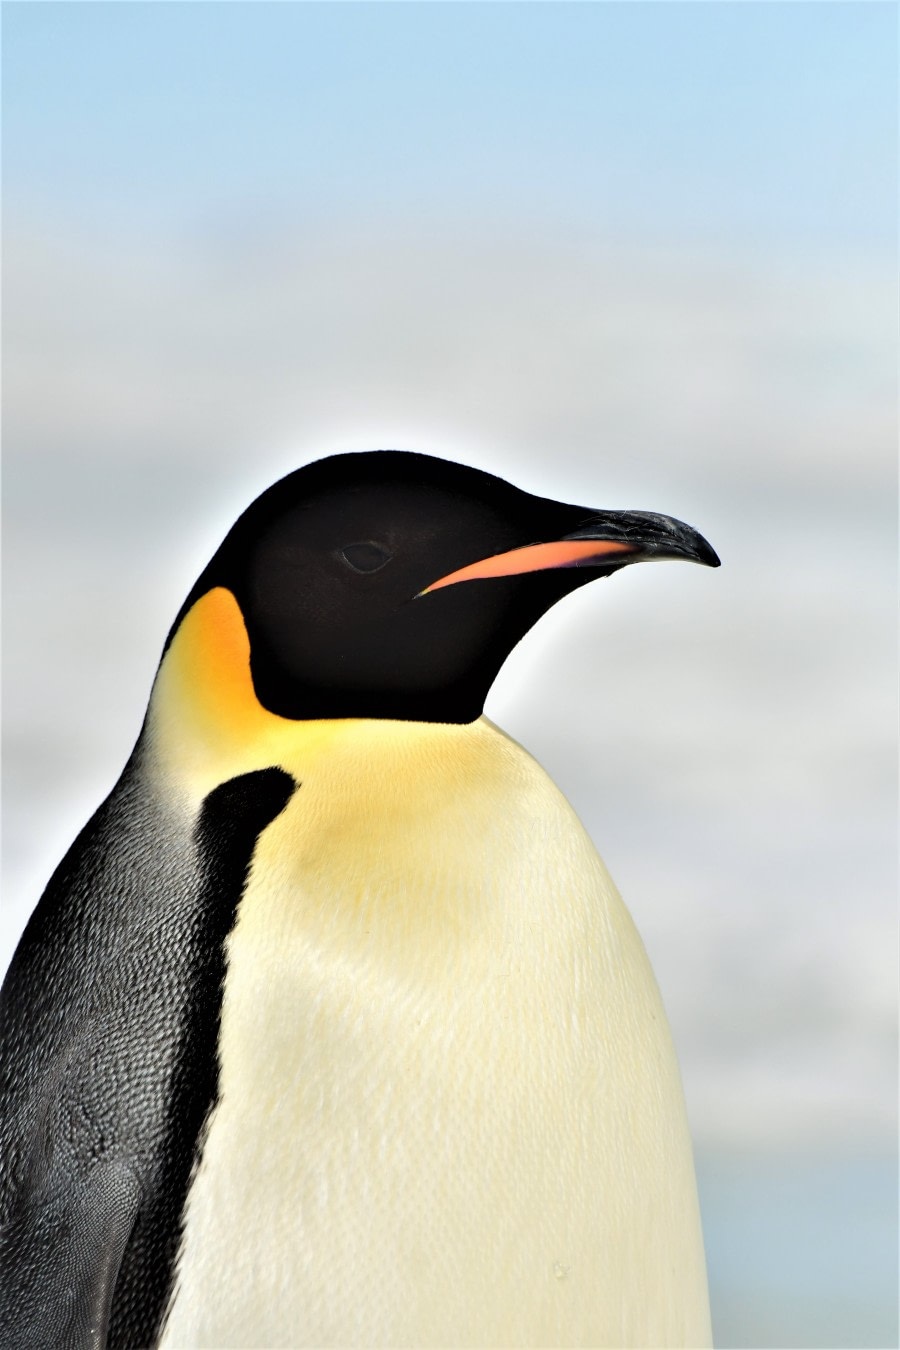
column 450, row 1112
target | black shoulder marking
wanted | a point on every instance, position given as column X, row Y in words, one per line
column 231, row 818
column 108, row 1032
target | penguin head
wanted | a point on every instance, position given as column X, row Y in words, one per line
column 394, row 585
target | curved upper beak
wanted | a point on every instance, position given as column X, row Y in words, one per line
column 608, row 539
column 646, row 535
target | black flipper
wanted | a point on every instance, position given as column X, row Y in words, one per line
column 61, row 1257
column 108, row 1031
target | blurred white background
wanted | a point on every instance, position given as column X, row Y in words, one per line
column 630, row 255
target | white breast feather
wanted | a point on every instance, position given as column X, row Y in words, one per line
column 450, row 1111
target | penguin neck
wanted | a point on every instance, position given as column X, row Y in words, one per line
column 207, row 725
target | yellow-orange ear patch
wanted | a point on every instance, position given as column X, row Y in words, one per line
column 205, row 679
column 207, row 725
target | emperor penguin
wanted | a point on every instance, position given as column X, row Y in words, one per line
column 331, row 1028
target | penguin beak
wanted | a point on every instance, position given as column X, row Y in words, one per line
column 608, row 539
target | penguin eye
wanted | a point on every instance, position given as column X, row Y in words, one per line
column 367, row 556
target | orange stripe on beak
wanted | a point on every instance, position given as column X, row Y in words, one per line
column 533, row 558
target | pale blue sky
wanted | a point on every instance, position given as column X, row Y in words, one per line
column 770, row 122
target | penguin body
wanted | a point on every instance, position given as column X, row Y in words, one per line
column 333, row 1029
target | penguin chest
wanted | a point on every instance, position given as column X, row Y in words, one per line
column 443, row 1063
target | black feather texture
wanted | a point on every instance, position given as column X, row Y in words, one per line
column 108, row 1031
